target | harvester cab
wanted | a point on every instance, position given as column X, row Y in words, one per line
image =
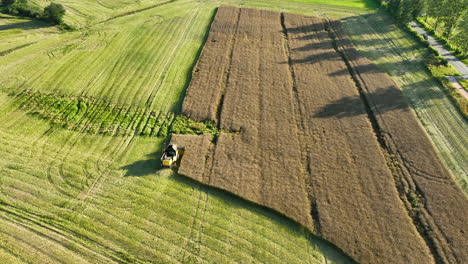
column 170, row 156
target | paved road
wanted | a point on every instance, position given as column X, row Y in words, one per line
column 460, row 66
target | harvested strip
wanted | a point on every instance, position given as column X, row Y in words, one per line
column 214, row 61
column 197, row 151
column 357, row 203
column 249, row 163
column 444, row 210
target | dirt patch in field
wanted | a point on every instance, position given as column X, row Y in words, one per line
column 312, row 144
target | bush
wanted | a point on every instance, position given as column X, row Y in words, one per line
column 22, row 8
column 418, row 37
column 54, row 13
column 8, row 2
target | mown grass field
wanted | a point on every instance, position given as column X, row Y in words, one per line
column 78, row 196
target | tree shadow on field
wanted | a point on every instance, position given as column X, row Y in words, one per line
column 398, row 54
column 329, row 250
column 25, row 25
column 316, row 58
column 144, row 167
column 384, row 100
column 373, row 68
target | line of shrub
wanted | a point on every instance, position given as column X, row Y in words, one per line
column 425, row 43
column 455, row 51
column 53, row 13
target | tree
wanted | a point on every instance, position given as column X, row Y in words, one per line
column 437, row 10
column 419, row 7
column 461, row 38
column 455, row 10
column 54, row 12
column 8, row 2
column 394, row 6
column 402, row 10
column 405, row 12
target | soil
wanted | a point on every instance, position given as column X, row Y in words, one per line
column 321, row 135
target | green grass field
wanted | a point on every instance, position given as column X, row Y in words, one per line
column 76, row 195
column 347, row 3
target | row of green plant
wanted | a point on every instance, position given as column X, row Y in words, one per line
column 439, row 68
column 450, row 18
column 52, row 13
column 90, row 115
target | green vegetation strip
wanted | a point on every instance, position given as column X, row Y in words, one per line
column 94, row 116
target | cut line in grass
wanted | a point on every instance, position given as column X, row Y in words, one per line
column 347, row 3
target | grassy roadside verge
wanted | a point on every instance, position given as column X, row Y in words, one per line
column 439, row 68
column 455, row 51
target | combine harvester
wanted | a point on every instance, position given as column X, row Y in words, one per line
column 171, row 155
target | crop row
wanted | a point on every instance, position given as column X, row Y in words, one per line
column 95, row 116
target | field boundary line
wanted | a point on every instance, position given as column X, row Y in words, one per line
column 8, row 51
column 300, row 127
column 136, row 11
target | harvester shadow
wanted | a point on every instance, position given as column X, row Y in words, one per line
column 144, row 167
column 329, row 250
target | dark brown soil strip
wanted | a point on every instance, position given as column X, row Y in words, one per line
column 299, row 113
column 216, row 56
column 228, row 75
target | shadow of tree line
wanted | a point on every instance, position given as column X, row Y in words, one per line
column 351, row 106
column 354, row 105
column 144, row 167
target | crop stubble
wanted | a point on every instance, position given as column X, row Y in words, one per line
column 443, row 211
column 306, row 144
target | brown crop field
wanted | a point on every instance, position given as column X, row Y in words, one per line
column 321, row 135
